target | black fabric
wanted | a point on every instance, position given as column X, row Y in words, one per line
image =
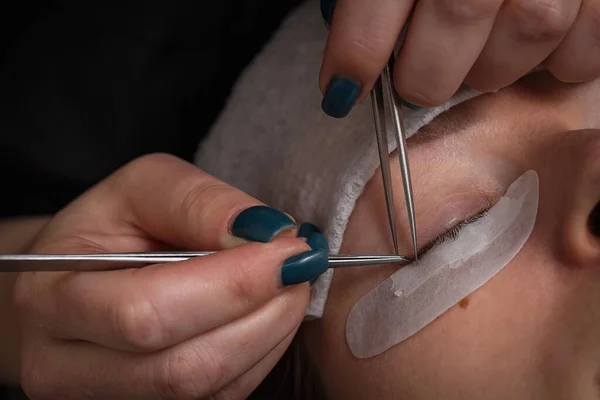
column 86, row 86
column 12, row 394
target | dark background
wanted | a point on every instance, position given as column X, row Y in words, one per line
column 88, row 85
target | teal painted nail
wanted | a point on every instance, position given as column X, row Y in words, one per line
column 304, row 267
column 340, row 97
column 318, row 242
column 315, row 240
column 314, row 237
column 306, row 230
column 260, row 224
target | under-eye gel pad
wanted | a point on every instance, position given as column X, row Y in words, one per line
column 417, row 294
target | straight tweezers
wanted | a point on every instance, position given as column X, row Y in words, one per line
column 115, row 261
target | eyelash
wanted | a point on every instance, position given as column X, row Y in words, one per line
column 453, row 233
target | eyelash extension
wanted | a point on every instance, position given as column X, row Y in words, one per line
column 452, row 233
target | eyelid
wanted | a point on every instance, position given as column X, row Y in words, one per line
column 450, row 212
column 453, row 232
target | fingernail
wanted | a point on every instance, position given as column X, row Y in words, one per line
column 327, row 7
column 410, row 105
column 304, row 267
column 260, row 224
column 315, row 240
column 318, row 242
column 306, row 230
column 340, row 97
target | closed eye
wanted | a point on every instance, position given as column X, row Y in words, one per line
column 451, row 234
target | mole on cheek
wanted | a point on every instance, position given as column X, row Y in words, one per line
column 464, row 303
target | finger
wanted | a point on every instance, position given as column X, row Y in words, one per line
column 577, row 59
column 193, row 369
column 156, row 307
column 444, row 39
column 525, row 33
column 173, row 202
column 361, row 39
column 243, row 386
column 230, row 351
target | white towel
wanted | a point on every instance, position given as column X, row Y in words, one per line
column 274, row 142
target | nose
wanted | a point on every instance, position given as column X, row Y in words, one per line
column 569, row 208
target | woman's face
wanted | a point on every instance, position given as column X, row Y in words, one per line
column 532, row 331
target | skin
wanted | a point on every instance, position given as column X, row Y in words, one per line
column 487, row 44
column 16, row 234
column 531, row 332
column 211, row 326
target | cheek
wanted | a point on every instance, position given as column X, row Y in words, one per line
column 493, row 341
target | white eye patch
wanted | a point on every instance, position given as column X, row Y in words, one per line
column 418, row 293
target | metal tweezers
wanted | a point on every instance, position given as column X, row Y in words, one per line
column 377, row 100
column 114, row 261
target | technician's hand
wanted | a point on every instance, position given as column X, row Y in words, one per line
column 487, row 44
column 215, row 325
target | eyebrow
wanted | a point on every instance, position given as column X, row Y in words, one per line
column 453, row 121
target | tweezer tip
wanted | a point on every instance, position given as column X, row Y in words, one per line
column 415, row 245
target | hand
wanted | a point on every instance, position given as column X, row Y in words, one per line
column 487, row 44
column 214, row 325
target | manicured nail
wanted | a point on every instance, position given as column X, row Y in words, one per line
column 306, row 230
column 318, row 242
column 410, row 105
column 304, row 267
column 260, row 224
column 340, row 97
column 315, row 238
column 327, row 7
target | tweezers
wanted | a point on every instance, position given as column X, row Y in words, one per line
column 114, row 261
column 377, row 101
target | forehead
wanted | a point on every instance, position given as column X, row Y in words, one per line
column 538, row 92
column 513, row 114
